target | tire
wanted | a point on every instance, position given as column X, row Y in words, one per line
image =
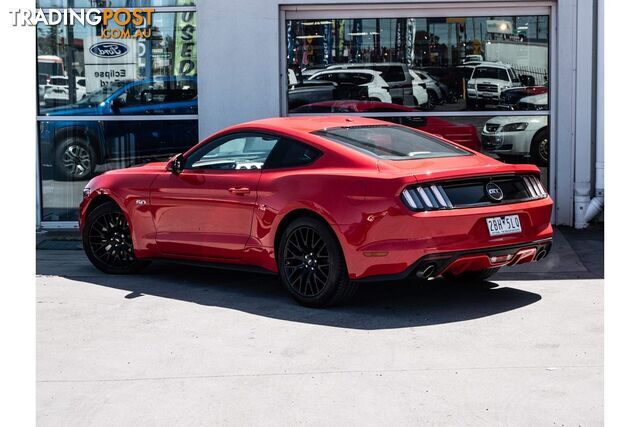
column 417, row 105
column 106, row 239
column 433, row 99
column 312, row 266
column 75, row 159
column 473, row 105
column 474, row 276
column 540, row 147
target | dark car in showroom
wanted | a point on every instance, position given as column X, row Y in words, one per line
column 73, row 148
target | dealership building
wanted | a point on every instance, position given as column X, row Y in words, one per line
column 521, row 81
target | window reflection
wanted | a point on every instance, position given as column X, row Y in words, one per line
column 87, row 100
column 510, row 139
column 442, row 64
column 72, row 68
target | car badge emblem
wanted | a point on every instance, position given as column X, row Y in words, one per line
column 108, row 49
column 494, row 192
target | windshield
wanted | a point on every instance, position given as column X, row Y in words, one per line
column 50, row 68
column 391, row 142
column 490, row 73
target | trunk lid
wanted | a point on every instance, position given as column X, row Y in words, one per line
column 452, row 167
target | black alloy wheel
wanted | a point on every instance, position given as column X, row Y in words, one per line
column 107, row 241
column 312, row 266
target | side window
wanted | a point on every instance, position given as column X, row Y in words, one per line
column 181, row 90
column 289, row 154
column 146, row 93
column 391, row 73
column 240, row 152
column 332, row 77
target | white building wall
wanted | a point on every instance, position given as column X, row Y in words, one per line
column 239, row 63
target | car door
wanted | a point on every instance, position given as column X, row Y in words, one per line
column 205, row 212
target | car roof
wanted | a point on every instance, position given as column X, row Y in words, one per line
column 348, row 70
column 493, row 64
column 376, row 64
column 309, row 124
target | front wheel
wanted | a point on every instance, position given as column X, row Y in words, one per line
column 106, row 239
column 474, row 104
column 312, row 266
column 540, row 148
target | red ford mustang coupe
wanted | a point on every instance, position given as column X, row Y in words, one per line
column 325, row 202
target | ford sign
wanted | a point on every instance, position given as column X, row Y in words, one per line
column 108, row 50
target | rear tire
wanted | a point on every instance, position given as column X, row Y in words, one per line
column 312, row 266
column 106, row 239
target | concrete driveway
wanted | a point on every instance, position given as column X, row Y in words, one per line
column 194, row 346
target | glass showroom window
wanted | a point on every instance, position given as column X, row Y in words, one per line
column 98, row 112
column 482, row 81
column 425, row 64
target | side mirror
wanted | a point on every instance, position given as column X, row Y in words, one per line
column 176, row 164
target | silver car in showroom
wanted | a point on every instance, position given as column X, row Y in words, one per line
column 511, row 137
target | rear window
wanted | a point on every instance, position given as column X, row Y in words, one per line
column 391, row 142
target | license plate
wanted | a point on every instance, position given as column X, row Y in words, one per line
column 500, row 225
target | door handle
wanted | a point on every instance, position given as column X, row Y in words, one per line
column 240, row 191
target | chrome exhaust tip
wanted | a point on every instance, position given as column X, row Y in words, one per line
column 426, row 272
column 541, row 254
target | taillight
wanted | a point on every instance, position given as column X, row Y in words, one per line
column 534, row 186
column 426, row 198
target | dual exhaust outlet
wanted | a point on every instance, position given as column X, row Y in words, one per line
column 430, row 269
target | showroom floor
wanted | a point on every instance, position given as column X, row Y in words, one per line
column 193, row 346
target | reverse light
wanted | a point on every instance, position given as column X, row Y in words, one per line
column 515, row 127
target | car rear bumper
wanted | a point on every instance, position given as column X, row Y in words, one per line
column 471, row 260
column 396, row 243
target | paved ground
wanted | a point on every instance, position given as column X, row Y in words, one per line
column 193, row 346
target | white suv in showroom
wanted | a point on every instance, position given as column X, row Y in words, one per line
column 377, row 88
column 487, row 80
column 520, row 136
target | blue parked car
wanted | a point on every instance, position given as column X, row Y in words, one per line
column 74, row 147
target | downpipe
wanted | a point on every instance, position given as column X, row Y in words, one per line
column 596, row 204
